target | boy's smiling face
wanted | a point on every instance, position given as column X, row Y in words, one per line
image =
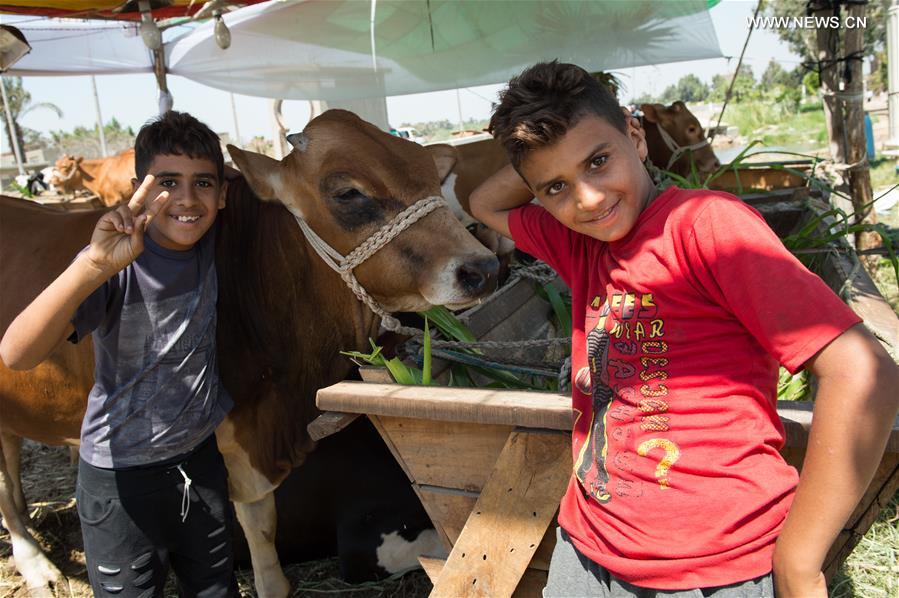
column 196, row 196
column 592, row 179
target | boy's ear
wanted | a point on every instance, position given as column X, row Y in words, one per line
column 445, row 157
column 262, row 173
column 223, row 194
column 637, row 134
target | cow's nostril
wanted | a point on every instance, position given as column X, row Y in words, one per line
column 478, row 276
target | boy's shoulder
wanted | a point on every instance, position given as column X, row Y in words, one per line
column 689, row 208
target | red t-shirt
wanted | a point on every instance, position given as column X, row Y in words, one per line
column 678, row 329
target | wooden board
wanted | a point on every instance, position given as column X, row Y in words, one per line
column 530, row 409
column 530, row 586
column 511, row 516
column 446, row 454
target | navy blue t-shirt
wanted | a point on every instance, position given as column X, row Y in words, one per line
column 156, row 392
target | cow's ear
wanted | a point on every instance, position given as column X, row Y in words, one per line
column 650, row 111
column 261, row 172
column 445, row 157
column 678, row 106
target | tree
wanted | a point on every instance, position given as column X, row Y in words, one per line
column 19, row 105
column 775, row 76
column 744, row 86
column 691, row 89
column 802, row 41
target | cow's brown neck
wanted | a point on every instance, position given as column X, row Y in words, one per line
column 283, row 318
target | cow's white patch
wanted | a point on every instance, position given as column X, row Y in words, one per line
column 396, row 554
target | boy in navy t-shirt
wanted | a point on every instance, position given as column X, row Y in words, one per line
column 152, row 486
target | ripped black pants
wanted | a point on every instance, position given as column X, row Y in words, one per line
column 138, row 522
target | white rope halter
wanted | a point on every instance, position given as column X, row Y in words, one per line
column 677, row 150
column 344, row 265
column 71, row 174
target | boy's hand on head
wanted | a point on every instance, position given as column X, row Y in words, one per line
column 119, row 235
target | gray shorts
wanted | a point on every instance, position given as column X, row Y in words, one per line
column 573, row 575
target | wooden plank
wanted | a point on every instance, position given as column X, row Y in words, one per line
column 483, row 317
column 375, row 374
column 432, row 566
column 448, row 507
column 385, row 436
column 531, row 585
column 511, row 515
column 329, row 423
column 528, row 409
column 447, row 454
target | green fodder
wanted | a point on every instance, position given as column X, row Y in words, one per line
column 872, row 570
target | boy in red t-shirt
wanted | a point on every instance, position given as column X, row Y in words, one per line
column 684, row 303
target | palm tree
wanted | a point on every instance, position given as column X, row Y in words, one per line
column 19, row 105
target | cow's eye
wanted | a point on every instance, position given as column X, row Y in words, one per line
column 348, row 195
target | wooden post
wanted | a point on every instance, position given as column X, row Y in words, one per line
column 859, row 173
column 828, row 40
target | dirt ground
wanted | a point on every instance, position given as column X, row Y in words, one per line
column 48, row 477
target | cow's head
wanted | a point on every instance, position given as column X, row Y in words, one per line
column 685, row 130
column 346, row 179
column 67, row 174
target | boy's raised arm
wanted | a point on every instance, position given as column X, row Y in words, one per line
column 117, row 240
column 854, row 412
column 494, row 198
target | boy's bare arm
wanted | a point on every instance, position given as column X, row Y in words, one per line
column 494, row 198
column 117, row 240
column 854, row 412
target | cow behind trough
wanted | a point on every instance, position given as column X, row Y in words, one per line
column 284, row 314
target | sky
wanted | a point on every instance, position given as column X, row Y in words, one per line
column 131, row 99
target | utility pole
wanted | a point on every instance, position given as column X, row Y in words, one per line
column 103, row 149
column 459, row 106
column 893, row 75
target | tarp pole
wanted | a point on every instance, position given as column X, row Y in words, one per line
column 236, row 128
column 103, row 149
column 17, row 152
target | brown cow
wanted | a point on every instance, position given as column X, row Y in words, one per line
column 110, row 178
column 674, row 138
column 284, row 315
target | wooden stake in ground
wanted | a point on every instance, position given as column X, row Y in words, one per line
column 856, row 153
column 842, row 84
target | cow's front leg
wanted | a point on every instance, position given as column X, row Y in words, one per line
column 259, row 521
column 31, row 562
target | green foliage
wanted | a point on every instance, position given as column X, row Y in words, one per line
column 802, row 41
column 20, row 104
column 793, row 387
column 23, row 190
column 745, row 87
column 84, row 141
column 688, row 89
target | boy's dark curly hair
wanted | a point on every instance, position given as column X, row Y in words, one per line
column 176, row 133
column 542, row 103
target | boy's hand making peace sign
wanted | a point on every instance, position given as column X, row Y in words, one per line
column 119, row 235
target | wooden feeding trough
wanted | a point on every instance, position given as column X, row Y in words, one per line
column 490, row 466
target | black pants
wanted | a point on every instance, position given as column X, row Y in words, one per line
column 131, row 521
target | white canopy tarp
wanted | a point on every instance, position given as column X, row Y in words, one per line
column 310, row 49
column 70, row 47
